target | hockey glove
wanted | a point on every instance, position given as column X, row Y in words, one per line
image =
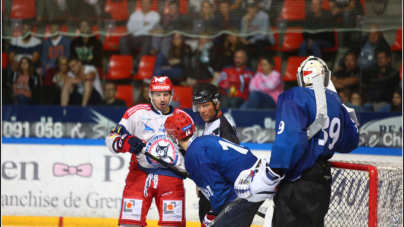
column 264, row 183
column 242, row 184
column 257, row 183
column 129, row 143
column 209, row 217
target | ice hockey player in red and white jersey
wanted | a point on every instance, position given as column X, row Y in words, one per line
column 146, row 179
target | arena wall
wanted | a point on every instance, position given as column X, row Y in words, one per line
column 33, row 186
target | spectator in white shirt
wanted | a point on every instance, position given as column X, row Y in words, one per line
column 82, row 86
column 140, row 23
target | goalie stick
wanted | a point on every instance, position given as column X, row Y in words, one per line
column 186, row 175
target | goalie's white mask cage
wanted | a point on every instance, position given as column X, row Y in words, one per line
column 310, row 67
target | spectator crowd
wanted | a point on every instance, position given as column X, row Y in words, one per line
column 60, row 70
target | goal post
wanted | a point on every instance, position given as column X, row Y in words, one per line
column 365, row 194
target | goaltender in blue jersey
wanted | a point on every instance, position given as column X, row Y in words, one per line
column 292, row 151
column 311, row 124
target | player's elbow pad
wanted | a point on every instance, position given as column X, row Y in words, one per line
column 110, row 142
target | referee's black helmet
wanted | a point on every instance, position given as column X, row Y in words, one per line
column 206, row 93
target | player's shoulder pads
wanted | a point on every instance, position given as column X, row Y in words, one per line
column 136, row 108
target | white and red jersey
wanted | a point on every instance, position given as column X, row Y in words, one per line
column 145, row 122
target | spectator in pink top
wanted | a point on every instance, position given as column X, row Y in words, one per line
column 265, row 87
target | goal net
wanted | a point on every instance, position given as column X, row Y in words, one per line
column 366, row 194
column 198, row 16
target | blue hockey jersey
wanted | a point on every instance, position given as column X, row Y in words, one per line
column 214, row 165
column 296, row 110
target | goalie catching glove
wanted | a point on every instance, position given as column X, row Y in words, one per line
column 257, row 183
column 130, row 143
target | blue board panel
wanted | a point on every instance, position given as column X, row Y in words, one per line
column 252, row 146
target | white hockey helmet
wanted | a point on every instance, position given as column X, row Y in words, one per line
column 311, row 67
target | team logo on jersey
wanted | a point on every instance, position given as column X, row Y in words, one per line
column 161, row 147
column 147, row 129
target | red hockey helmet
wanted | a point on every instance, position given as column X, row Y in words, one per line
column 179, row 125
column 162, row 83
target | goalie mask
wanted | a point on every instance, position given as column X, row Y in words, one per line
column 310, row 67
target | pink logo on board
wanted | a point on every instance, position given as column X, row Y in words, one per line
column 60, row 170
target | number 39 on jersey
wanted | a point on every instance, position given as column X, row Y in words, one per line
column 333, row 133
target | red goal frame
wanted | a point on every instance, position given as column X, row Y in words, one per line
column 373, row 186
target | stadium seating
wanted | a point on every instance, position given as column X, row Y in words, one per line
column 139, row 5
column 22, row 9
column 278, row 64
column 398, row 42
column 183, row 94
column 111, row 42
column 120, row 67
column 63, row 28
column 276, row 36
column 146, row 67
column 94, row 29
column 326, row 5
column 291, row 69
column 335, row 47
column 292, row 39
column 294, row 10
column 117, row 9
column 4, row 60
column 125, row 92
column 183, row 7
column 363, row 6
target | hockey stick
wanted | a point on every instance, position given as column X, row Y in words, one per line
column 186, row 175
column 225, row 210
column 167, row 165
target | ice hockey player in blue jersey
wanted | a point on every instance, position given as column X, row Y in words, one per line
column 214, row 164
column 311, row 124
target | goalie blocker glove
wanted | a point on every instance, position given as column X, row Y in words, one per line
column 257, row 183
column 130, row 143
